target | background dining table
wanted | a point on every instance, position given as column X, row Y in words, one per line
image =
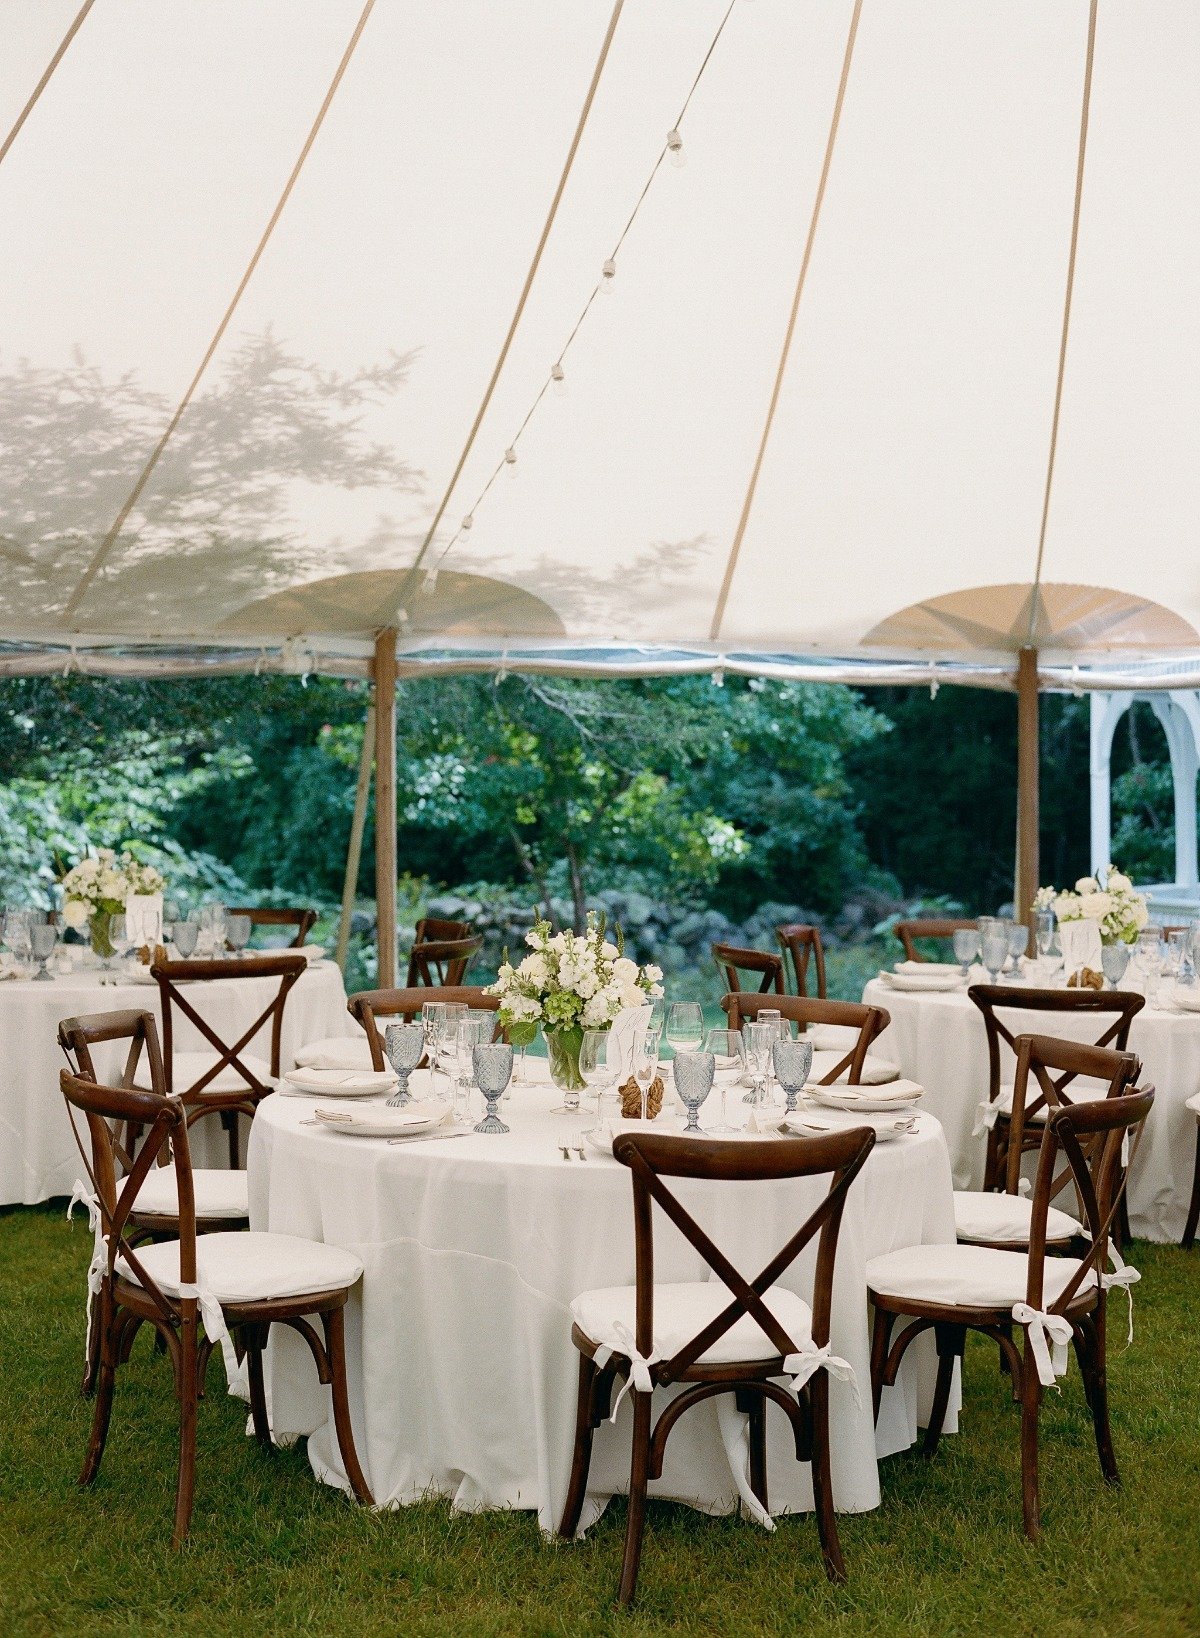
column 938, row 1039
column 462, row 1372
column 38, row 1156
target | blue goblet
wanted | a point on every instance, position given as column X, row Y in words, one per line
column 492, row 1064
column 793, row 1063
column 404, row 1044
column 694, row 1073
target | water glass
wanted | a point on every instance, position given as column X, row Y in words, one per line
column 993, row 950
column 685, row 1026
column 43, row 941
column 237, row 933
column 17, row 934
column 694, row 1072
column 1114, row 959
column 760, row 1037
column 598, row 1074
column 118, row 934
column 1045, row 931
column 774, row 1018
column 184, row 936
column 475, row 1030
column 492, row 1067
column 404, row 1045
column 966, row 948
column 646, row 1045
column 729, row 1060
column 793, row 1065
column 454, row 1014
column 522, row 1036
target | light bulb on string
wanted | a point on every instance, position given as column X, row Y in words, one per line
column 675, row 150
column 431, row 579
column 607, row 274
column 467, row 522
column 558, row 379
column 510, row 462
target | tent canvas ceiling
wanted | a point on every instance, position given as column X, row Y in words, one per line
column 907, row 459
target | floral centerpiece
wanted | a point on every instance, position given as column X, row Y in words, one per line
column 567, row 983
column 1117, row 908
column 97, row 888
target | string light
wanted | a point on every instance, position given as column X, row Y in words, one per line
column 607, row 274
column 675, row 150
column 558, row 379
column 467, row 522
column 510, row 461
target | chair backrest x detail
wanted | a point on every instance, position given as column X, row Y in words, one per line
column 442, row 961
column 1047, row 1068
column 369, row 1006
column 802, row 942
column 77, row 1037
column 1112, row 1012
column 764, row 964
column 805, row 1010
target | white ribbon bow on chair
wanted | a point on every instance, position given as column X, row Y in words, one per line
column 1123, row 1278
column 800, row 1367
column 988, row 1113
column 214, row 1320
column 81, row 1195
column 639, row 1378
column 1049, row 1337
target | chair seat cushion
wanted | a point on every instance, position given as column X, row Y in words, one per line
column 680, row 1311
column 250, row 1267
column 336, row 1052
column 966, row 1276
column 218, row 1193
column 876, row 1071
column 187, row 1068
column 979, row 1216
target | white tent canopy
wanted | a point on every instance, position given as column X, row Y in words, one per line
column 309, row 487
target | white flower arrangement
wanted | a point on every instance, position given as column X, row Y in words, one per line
column 104, row 881
column 1117, row 908
column 572, row 981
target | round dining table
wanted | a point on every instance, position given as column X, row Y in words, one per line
column 462, row 1373
column 38, row 1155
column 937, row 1038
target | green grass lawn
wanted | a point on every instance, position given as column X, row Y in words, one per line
column 271, row 1550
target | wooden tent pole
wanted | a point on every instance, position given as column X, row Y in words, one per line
column 357, row 826
column 1028, row 864
column 384, row 673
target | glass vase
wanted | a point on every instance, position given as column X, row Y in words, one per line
column 562, row 1047
column 98, row 927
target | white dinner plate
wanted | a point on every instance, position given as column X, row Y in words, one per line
column 338, row 1083
column 411, row 1121
column 922, row 981
column 917, row 969
column 601, row 1137
column 1187, row 996
column 814, row 1122
column 873, row 1099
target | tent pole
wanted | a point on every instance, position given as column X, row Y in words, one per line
column 1027, row 784
column 384, row 673
column 357, row 826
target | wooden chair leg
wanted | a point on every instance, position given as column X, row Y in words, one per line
column 881, row 1336
column 951, row 1344
column 335, row 1345
column 822, row 1479
column 635, row 1523
column 1095, row 1348
column 101, row 1413
column 1031, row 1400
column 229, row 1119
column 581, row 1459
column 757, row 1411
column 185, row 1387
column 1193, row 1217
column 255, row 1343
column 995, row 1160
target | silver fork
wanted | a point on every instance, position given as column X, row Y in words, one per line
column 564, row 1151
column 579, row 1151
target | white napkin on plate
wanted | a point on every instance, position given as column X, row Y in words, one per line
column 412, row 1114
column 144, row 919
column 1080, row 945
column 927, row 967
column 341, row 1080
column 808, row 1121
column 312, row 953
column 900, row 1092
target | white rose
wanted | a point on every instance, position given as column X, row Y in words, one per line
column 625, row 972
column 609, row 951
column 653, row 973
column 533, row 968
column 1087, row 884
column 1095, row 906
column 75, row 914
column 1117, row 883
column 1141, row 913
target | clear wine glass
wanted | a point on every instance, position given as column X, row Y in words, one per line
column 966, row 948
column 993, row 951
column 1114, row 959
column 694, row 1072
column 773, row 1017
column 729, row 1054
column 760, row 1037
column 118, row 935
column 598, row 1075
column 237, row 933
column 1045, row 932
column 17, row 935
column 646, row 1046
column 522, row 1036
column 475, row 1030
column 685, row 1026
column 453, row 1016
column 433, row 1023
column 43, row 941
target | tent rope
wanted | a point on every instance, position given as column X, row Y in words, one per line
column 575, row 329
column 45, row 79
column 830, row 143
column 106, row 545
column 551, row 214
column 1084, row 116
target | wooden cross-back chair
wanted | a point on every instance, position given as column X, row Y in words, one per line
column 226, row 1081
column 687, row 1349
column 302, row 920
column 908, row 932
column 805, row 1011
column 767, row 966
column 801, row 941
column 443, row 961
column 434, row 930
column 1113, row 1012
column 158, row 1284
column 368, row 1006
column 951, row 1289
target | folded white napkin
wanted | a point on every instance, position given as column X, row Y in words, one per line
column 312, row 953
column 809, row 1121
column 412, row 1114
column 1080, row 945
column 900, row 1092
column 927, row 967
column 341, row 1080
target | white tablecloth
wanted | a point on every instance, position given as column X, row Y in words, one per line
column 462, row 1372
column 38, row 1157
column 939, row 1040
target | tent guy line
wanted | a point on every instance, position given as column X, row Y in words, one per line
column 41, row 85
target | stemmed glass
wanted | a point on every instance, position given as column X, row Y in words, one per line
column 492, row 1066
column 966, row 948
column 598, row 1074
column 43, row 939
column 685, row 1026
column 760, row 1037
column 793, row 1064
column 475, row 1030
column 184, row 936
column 433, row 1024
column 694, row 1073
column 993, row 950
column 1114, row 959
column 1018, row 943
column 237, row 933
column 454, row 1014
column 403, row 1044
column 17, row 934
column 118, row 935
column 522, row 1037
column 729, row 1056
column 646, row 1045
column 773, row 1017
